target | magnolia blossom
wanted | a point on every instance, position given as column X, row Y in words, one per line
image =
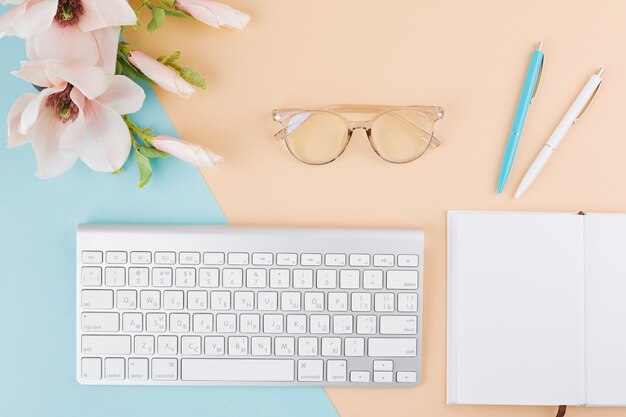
column 188, row 152
column 84, row 31
column 213, row 13
column 77, row 114
column 164, row 76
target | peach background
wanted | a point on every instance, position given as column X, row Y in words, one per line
column 468, row 56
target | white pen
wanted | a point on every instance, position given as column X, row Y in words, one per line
column 575, row 112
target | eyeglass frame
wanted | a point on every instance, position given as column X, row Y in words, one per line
column 283, row 116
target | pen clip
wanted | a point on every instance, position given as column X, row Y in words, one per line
column 538, row 80
column 584, row 110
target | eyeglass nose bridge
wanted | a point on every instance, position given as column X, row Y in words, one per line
column 361, row 124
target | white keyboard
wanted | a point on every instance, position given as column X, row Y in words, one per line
column 221, row 305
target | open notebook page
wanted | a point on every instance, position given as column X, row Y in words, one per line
column 605, row 292
column 515, row 308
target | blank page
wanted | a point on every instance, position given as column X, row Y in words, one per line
column 515, row 308
column 605, row 289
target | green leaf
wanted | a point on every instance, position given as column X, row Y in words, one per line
column 152, row 152
column 172, row 58
column 176, row 13
column 118, row 68
column 193, row 77
column 161, row 58
column 169, row 3
column 158, row 17
column 145, row 169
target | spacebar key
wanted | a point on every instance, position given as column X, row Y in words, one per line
column 253, row 370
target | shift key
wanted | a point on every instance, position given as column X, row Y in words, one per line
column 102, row 345
column 392, row 347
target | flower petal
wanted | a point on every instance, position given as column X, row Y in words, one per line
column 91, row 81
column 75, row 133
column 213, row 13
column 107, row 144
column 164, row 76
column 28, row 18
column 100, row 14
column 186, row 151
column 123, row 95
column 13, row 120
column 52, row 160
column 67, row 43
column 33, row 109
column 107, row 40
column 33, row 73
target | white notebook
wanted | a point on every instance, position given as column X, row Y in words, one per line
column 536, row 308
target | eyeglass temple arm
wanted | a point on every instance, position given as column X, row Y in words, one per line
column 435, row 143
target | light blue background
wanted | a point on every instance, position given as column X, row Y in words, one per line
column 37, row 280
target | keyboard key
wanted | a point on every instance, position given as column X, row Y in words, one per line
column 179, row 322
column 310, row 370
column 349, row 279
column 314, row 301
column 383, row 365
column 261, row 346
column 290, row 301
column 256, row 278
column 97, row 299
column 287, row 259
column 383, row 260
column 284, row 346
column 267, row 301
column 302, row 278
column 238, row 258
column 407, row 302
column 100, row 322
column 406, row 376
column 167, row 345
column 331, row 346
column 197, row 300
column 392, row 347
column 191, row 345
column 214, row 345
column 208, row 277
column 296, row 323
column 398, row 325
column 91, row 257
column 140, row 257
column 144, row 345
column 244, row 370
column 326, row 278
column 359, row 259
column 189, row 258
column 138, row 277
column 262, row 259
column 213, row 258
column 383, row 301
column 116, row 257
column 126, row 299
column 366, row 324
column 138, row 369
column 91, row 369
column 226, row 323
column 114, row 369
column 156, row 322
column 220, row 300
column 361, row 301
column 132, row 322
column 162, row 277
column 164, row 369
column 272, row 323
column 91, row 276
column 185, row 277
column 408, row 260
column 238, row 346
column 202, row 323
column 307, row 346
column 373, row 280
column 150, row 300
column 232, row 278
column 165, row 258
column 311, row 259
column 173, row 300
column 335, row 259
column 383, row 376
column 354, row 346
column 359, row 376
column 249, row 323
column 115, row 277
column 402, row 280
column 244, row 300
column 105, row 345
column 342, row 324
column 336, row 370
column 279, row 278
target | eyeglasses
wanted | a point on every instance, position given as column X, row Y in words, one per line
column 397, row 134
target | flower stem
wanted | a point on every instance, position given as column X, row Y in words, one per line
column 137, row 131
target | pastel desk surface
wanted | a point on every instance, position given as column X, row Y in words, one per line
column 470, row 58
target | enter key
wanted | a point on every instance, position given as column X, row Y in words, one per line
column 402, row 325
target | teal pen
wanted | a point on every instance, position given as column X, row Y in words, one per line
column 528, row 93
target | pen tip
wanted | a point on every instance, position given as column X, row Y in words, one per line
column 540, row 46
column 600, row 72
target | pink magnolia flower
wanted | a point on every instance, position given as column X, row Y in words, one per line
column 164, row 76
column 213, row 13
column 186, row 151
column 85, row 31
column 76, row 115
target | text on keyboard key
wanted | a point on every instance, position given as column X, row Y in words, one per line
column 225, row 370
